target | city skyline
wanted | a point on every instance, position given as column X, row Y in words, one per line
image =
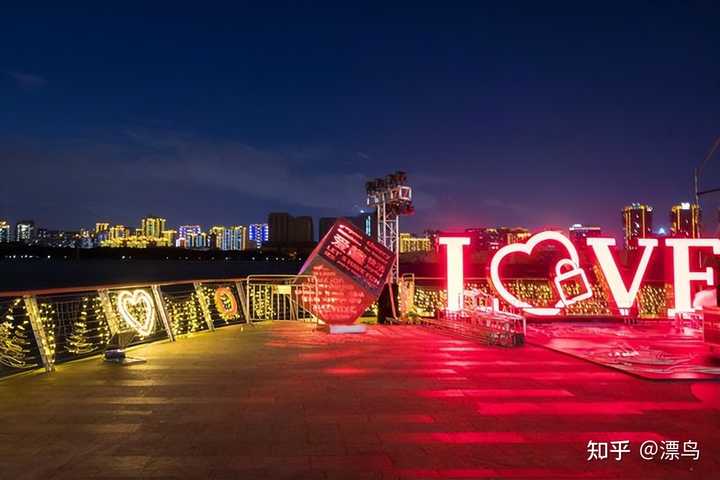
column 501, row 115
column 685, row 220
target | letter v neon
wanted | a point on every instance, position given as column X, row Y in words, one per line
column 624, row 297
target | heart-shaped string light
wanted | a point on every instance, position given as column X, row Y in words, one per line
column 127, row 299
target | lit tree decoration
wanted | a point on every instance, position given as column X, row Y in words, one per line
column 15, row 337
column 79, row 341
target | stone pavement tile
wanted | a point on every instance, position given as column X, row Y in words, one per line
column 298, row 448
column 259, row 403
column 405, row 456
column 351, row 462
column 359, row 475
column 256, row 432
column 21, row 467
column 102, row 466
column 323, row 433
column 177, row 467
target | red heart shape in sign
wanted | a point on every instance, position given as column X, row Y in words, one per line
column 527, row 248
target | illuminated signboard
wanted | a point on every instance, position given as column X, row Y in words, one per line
column 225, row 303
column 349, row 270
column 623, row 291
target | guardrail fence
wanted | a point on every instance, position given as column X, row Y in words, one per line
column 41, row 328
column 425, row 296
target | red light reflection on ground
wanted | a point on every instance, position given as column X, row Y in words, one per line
column 500, row 473
column 582, row 408
column 501, row 437
column 497, row 393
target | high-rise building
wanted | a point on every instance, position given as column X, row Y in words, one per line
column 216, row 236
column 413, row 244
column 25, row 231
column 57, row 238
column 118, row 232
column 5, row 232
column 637, row 223
column 101, row 227
column 228, row 238
column 514, row 235
column 288, row 230
column 301, row 230
column 279, row 223
column 169, row 237
column 258, row 234
column 235, row 238
column 484, row 238
column 199, row 240
column 578, row 233
column 685, row 220
column 152, row 226
column 184, row 231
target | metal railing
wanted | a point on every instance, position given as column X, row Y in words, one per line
column 280, row 296
column 429, row 296
column 40, row 328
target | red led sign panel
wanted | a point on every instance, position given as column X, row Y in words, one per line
column 349, row 270
column 333, row 298
column 357, row 255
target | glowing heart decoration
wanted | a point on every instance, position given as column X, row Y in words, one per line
column 527, row 249
column 126, row 300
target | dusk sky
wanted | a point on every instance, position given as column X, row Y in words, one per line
column 534, row 114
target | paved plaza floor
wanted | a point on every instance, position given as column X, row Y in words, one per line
column 282, row 400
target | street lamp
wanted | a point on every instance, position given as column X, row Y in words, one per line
column 698, row 171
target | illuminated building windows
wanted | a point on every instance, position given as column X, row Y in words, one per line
column 685, row 220
column 637, row 223
column 411, row 244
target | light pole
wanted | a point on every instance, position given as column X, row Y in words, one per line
column 698, row 172
column 391, row 197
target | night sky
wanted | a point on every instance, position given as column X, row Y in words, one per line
column 534, row 114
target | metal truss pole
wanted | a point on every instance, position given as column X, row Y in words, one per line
column 163, row 312
column 110, row 316
column 244, row 301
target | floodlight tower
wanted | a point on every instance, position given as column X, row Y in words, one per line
column 391, row 197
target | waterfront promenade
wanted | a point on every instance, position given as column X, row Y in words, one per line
column 281, row 400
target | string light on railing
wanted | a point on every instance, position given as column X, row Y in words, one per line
column 47, row 318
column 79, row 341
column 185, row 317
column 651, row 298
column 15, row 337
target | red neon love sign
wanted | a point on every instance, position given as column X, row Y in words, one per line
column 568, row 266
